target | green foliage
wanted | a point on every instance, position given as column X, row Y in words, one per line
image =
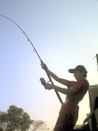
column 39, row 125
column 16, row 119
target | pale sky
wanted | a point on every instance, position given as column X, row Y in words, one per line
column 64, row 32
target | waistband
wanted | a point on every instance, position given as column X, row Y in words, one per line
column 71, row 100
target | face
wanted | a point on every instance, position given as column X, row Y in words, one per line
column 78, row 75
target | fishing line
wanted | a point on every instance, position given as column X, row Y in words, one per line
column 34, row 50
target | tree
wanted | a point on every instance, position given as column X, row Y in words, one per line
column 39, row 125
column 16, row 119
column 3, row 117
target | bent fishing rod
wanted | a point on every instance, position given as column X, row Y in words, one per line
column 35, row 52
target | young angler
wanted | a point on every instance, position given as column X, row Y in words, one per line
column 75, row 92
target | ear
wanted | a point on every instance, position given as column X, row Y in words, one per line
column 83, row 73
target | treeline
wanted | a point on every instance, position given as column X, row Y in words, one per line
column 15, row 119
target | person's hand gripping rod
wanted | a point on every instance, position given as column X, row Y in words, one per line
column 43, row 82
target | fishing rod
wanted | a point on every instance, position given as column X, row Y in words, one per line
column 35, row 52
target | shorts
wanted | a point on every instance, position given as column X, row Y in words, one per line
column 65, row 122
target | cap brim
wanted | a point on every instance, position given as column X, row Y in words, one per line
column 71, row 70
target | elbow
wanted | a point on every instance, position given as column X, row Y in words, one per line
column 67, row 92
column 70, row 92
column 57, row 79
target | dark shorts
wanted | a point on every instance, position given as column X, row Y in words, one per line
column 64, row 122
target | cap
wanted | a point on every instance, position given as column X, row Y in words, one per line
column 80, row 68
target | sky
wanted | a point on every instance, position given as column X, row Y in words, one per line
column 65, row 34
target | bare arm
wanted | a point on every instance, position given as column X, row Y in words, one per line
column 54, row 76
column 62, row 90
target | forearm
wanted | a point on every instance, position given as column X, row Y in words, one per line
column 60, row 89
column 58, row 79
column 70, row 91
column 54, row 76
